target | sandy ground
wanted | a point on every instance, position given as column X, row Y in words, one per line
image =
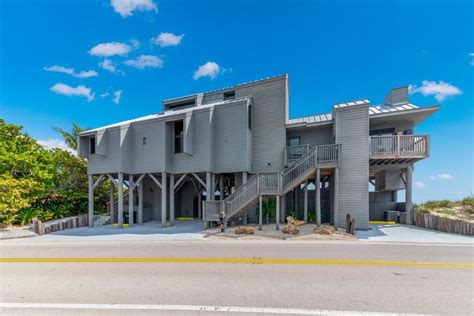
column 16, row 232
column 269, row 232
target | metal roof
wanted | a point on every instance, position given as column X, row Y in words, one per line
column 165, row 114
column 373, row 110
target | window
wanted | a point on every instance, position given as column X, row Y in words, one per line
column 92, row 145
column 294, row 141
column 250, row 116
column 182, row 104
column 229, row 95
column 178, row 137
column 144, row 141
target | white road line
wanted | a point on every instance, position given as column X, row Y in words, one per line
column 191, row 308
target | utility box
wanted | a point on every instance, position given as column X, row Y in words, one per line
column 389, row 180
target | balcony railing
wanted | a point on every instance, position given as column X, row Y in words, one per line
column 326, row 154
column 398, row 146
column 293, row 153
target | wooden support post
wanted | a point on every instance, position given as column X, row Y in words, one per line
column 112, row 201
column 318, row 197
column 140, row 203
column 244, row 180
column 120, row 200
column 130, row 200
column 283, row 209
column 91, row 200
column 408, row 197
column 171, row 199
column 199, row 205
column 163, row 198
column 260, row 212
column 221, row 187
column 277, row 213
column 336, row 197
column 305, row 203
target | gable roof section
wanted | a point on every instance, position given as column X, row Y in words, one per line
column 166, row 114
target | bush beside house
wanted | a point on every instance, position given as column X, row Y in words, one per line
column 36, row 183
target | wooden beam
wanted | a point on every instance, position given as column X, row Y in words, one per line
column 139, row 180
column 98, row 181
column 179, row 181
column 199, row 179
column 111, row 178
column 155, row 179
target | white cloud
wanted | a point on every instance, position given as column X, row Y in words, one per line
column 87, row 74
column 108, row 65
column 56, row 68
column 72, row 72
column 167, row 39
column 55, row 143
column 110, row 49
column 209, row 69
column 82, row 91
column 126, row 7
column 117, row 96
column 105, row 94
column 441, row 90
column 471, row 56
column 145, row 61
column 419, row 184
column 442, row 176
column 135, row 43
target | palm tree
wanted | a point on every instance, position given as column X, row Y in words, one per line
column 70, row 137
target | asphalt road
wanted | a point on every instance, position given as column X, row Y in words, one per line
column 203, row 277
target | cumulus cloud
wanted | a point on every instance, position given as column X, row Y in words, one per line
column 471, row 57
column 72, row 72
column 167, row 39
column 145, row 61
column 55, row 143
column 110, row 49
column 82, row 91
column 442, row 176
column 126, row 7
column 419, row 184
column 117, row 96
column 105, row 94
column 441, row 90
column 108, row 65
column 135, row 43
column 209, row 69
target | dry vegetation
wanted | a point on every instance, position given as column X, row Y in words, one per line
column 459, row 210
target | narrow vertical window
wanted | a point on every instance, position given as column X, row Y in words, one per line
column 144, row 141
column 92, row 145
column 178, row 137
column 250, row 116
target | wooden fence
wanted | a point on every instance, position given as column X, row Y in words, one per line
column 42, row 228
column 443, row 224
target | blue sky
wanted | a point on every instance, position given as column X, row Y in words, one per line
column 333, row 51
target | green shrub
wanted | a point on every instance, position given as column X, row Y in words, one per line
column 430, row 205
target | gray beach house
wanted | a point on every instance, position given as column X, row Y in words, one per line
column 215, row 156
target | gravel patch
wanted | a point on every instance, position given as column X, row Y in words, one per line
column 16, row 232
column 268, row 232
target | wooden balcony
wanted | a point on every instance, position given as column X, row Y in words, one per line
column 326, row 154
column 396, row 149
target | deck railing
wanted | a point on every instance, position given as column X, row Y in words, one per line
column 399, row 146
column 293, row 153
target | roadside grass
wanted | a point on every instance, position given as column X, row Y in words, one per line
column 461, row 210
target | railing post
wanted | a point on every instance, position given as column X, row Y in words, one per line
column 398, row 145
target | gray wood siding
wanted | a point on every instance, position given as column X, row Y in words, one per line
column 352, row 130
column 151, row 156
column 321, row 135
column 231, row 138
column 112, row 161
column 200, row 160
